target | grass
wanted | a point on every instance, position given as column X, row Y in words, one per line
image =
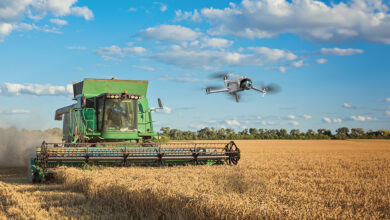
column 274, row 179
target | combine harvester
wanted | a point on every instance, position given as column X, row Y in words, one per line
column 111, row 125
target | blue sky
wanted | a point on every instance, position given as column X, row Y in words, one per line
column 330, row 58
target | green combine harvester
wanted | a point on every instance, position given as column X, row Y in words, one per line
column 111, row 125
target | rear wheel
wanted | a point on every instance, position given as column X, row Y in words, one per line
column 36, row 178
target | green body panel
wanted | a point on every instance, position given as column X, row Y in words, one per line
column 96, row 87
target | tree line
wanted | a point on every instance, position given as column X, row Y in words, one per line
column 207, row 133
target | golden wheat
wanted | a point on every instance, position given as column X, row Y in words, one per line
column 274, row 179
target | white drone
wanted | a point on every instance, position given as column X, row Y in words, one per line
column 239, row 84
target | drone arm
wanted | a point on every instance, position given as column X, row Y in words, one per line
column 259, row 90
column 208, row 91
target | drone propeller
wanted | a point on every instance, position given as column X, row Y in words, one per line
column 271, row 88
column 214, row 87
column 220, row 75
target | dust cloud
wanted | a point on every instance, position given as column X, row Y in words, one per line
column 17, row 146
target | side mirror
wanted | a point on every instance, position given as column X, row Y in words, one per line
column 159, row 103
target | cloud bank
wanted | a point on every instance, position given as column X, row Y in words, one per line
column 367, row 20
column 16, row 89
column 13, row 11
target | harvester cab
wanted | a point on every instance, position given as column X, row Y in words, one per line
column 107, row 111
column 111, row 125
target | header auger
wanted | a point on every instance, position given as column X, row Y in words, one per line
column 111, row 125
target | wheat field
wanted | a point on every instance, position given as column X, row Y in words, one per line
column 346, row 179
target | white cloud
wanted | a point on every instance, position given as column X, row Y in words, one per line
column 321, row 61
column 362, row 118
column 314, row 20
column 35, row 89
column 63, row 8
column 194, row 57
column 273, row 54
column 216, row 42
column 266, row 123
column 307, row 116
column 184, row 78
column 109, row 53
column 349, row 106
column 388, row 113
column 387, row 99
column 12, row 12
column 283, row 68
column 163, row 7
column 59, row 22
column 135, row 50
column 346, row 105
column 327, row 120
column 30, row 27
column 341, row 52
column 291, row 117
column 83, row 12
column 233, row 122
column 330, row 120
column 132, row 9
column 142, row 67
column 14, row 112
column 172, row 33
column 297, row 63
column 111, row 50
column 294, row 123
column 109, row 58
column 188, row 15
column 5, row 29
column 76, row 47
column 337, row 120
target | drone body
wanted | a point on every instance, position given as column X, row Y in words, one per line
column 241, row 83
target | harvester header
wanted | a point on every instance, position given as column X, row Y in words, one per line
column 110, row 124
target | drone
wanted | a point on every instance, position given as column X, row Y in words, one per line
column 241, row 83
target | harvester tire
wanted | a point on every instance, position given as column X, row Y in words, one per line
column 36, row 178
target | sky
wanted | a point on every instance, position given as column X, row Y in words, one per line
column 331, row 59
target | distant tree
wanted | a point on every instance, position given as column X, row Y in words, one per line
column 324, row 131
column 357, row 132
column 283, row 133
column 295, row 132
column 221, row 134
column 343, row 130
column 310, row 132
column 253, row 131
column 165, row 131
column 384, row 133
